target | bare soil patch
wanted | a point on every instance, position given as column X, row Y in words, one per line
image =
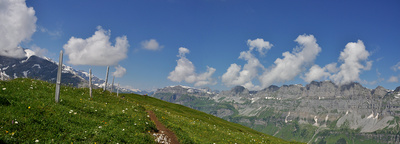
column 164, row 135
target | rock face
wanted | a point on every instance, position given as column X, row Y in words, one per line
column 320, row 104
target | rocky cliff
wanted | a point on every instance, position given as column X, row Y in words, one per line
column 324, row 106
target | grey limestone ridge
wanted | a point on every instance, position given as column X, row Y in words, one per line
column 318, row 104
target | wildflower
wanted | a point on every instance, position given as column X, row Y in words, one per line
column 123, row 129
column 126, row 108
column 123, row 111
column 74, row 113
column 148, row 116
column 16, row 122
column 147, row 123
column 71, row 111
column 100, row 126
column 12, row 133
column 36, row 141
column 4, row 88
column 29, row 107
column 135, row 124
column 95, row 110
column 7, row 131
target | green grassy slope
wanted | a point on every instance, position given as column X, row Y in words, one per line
column 28, row 113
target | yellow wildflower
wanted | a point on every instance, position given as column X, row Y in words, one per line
column 29, row 107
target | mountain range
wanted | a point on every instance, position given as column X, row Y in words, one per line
column 316, row 113
column 43, row 68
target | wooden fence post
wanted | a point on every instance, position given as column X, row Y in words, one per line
column 112, row 86
column 90, row 82
column 105, row 85
column 59, row 77
column 117, row 89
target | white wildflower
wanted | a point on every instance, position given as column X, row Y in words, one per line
column 4, row 88
column 100, row 126
column 36, row 141
column 71, row 111
column 123, row 129
column 74, row 113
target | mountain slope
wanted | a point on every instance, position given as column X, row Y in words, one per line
column 29, row 114
column 316, row 112
column 43, row 68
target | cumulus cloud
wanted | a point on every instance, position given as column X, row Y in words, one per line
column 97, row 49
column 261, row 45
column 316, row 73
column 235, row 75
column 355, row 59
column 393, row 79
column 119, row 71
column 185, row 71
column 396, row 67
column 17, row 23
column 151, row 44
column 293, row 63
column 39, row 51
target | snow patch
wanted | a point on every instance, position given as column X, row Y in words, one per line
column 287, row 117
column 29, row 53
column 316, row 121
column 36, row 65
column 5, row 68
column 371, row 115
column 25, row 73
column 254, row 99
column 268, row 98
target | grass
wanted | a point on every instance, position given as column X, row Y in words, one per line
column 29, row 114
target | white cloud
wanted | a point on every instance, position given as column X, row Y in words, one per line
column 96, row 50
column 316, row 73
column 234, row 76
column 185, row 71
column 17, row 23
column 119, row 71
column 55, row 33
column 293, row 63
column 39, row 51
column 393, row 79
column 353, row 57
column 396, row 67
column 151, row 44
column 260, row 45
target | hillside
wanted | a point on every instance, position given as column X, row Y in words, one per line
column 29, row 114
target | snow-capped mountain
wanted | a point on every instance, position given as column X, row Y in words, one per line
column 43, row 68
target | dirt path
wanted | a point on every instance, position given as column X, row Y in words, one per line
column 163, row 135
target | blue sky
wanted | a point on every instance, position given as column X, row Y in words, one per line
column 216, row 32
